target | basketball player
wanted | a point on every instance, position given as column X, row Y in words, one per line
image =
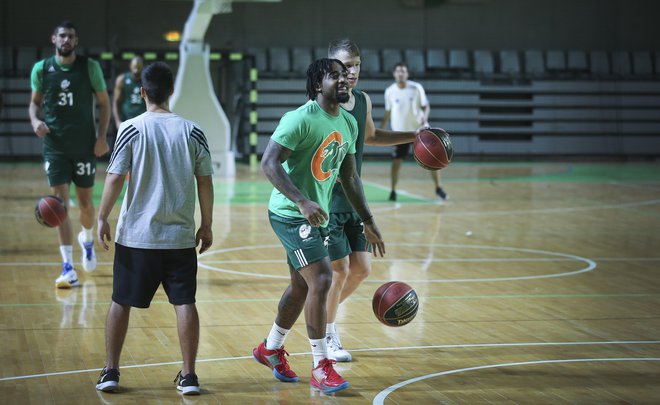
column 351, row 260
column 156, row 239
column 408, row 108
column 63, row 87
column 311, row 147
column 127, row 102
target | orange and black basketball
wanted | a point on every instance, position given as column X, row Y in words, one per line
column 433, row 149
column 395, row 303
column 50, row 211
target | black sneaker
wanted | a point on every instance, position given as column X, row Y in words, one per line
column 393, row 196
column 109, row 380
column 188, row 384
column 441, row 193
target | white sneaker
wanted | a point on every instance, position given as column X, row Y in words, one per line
column 335, row 350
column 68, row 278
column 88, row 254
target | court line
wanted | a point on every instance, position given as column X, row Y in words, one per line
column 380, row 398
column 458, row 346
column 590, row 263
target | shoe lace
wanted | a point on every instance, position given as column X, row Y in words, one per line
column 335, row 342
column 328, row 368
column 281, row 356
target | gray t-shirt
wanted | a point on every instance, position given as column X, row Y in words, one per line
column 163, row 153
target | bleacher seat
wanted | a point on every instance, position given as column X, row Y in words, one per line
column 642, row 65
column 370, row 61
column 414, row 58
column 459, row 60
column 390, row 58
column 320, row 52
column 577, row 61
column 555, row 61
column 509, row 62
column 534, row 64
column 621, row 63
column 599, row 63
column 436, row 59
column 483, row 62
column 301, row 58
column 260, row 58
column 279, row 60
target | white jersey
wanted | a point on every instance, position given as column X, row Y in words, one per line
column 163, row 153
column 405, row 105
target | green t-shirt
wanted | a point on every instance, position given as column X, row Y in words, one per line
column 319, row 142
column 340, row 203
column 68, row 104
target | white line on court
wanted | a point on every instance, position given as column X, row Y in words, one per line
column 380, row 398
column 487, row 345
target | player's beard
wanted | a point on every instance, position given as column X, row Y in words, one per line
column 65, row 53
column 343, row 98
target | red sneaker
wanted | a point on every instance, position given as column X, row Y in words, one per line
column 325, row 378
column 276, row 360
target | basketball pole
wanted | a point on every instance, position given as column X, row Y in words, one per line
column 194, row 97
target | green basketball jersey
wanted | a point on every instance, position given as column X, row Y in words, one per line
column 340, row 202
column 68, row 106
column 319, row 142
column 132, row 103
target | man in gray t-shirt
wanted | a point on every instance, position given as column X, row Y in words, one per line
column 156, row 239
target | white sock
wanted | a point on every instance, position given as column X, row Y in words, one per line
column 67, row 253
column 89, row 234
column 330, row 329
column 276, row 337
column 319, row 350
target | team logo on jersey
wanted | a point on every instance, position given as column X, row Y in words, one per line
column 51, row 69
column 65, row 84
column 304, row 231
column 328, row 156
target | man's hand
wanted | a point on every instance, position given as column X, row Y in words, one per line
column 205, row 235
column 103, row 233
column 313, row 213
column 372, row 233
column 101, row 147
column 40, row 129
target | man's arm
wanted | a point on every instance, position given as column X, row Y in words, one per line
column 205, row 195
column 101, row 147
column 116, row 98
column 381, row 137
column 34, row 110
column 271, row 164
column 352, row 185
column 113, row 185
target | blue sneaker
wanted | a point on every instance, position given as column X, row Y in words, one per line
column 88, row 254
column 68, row 278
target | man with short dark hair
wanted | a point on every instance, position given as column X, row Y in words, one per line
column 311, row 147
column 63, row 87
column 155, row 241
column 126, row 100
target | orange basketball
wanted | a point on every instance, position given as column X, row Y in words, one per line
column 433, row 149
column 50, row 211
column 395, row 303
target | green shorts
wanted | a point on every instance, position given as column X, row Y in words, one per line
column 346, row 235
column 64, row 170
column 304, row 244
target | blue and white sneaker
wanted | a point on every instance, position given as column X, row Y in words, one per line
column 88, row 254
column 68, row 278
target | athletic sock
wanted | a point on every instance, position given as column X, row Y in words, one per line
column 89, row 234
column 330, row 329
column 319, row 350
column 67, row 253
column 276, row 337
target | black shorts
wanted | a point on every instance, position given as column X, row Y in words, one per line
column 139, row 272
column 401, row 151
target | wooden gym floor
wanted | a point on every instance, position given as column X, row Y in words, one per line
column 538, row 283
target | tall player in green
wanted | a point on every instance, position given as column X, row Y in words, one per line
column 126, row 100
column 349, row 252
column 62, row 114
column 311, row 147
